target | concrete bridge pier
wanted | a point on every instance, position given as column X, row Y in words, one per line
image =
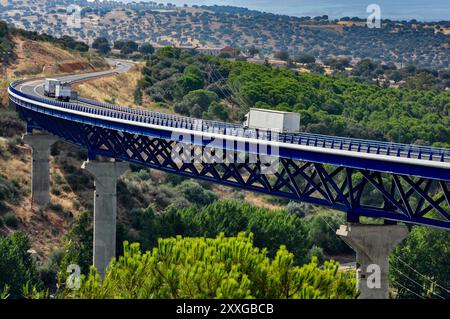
column 40, row 181
column 372, row 244
column 105, row 210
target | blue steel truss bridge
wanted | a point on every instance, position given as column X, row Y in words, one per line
column 395, row 182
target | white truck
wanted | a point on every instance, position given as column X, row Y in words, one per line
column 50, row 87
column 270, row 120
column 63, row 92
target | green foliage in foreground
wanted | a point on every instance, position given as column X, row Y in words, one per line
column 17, row 269
column 4, row 294
column 224, row 267
column 270, row 228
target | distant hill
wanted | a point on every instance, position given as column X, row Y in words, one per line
column 425, row 45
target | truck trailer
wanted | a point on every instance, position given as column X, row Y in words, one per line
column 270, row 120
column 50, row 87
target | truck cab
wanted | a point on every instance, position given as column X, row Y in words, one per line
column 63, row 92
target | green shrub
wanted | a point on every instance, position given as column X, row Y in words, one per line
column 2, row 223
column 322, row 232
column 206, row 268
column 10, row 124
column 79, row 246
column 16, row 265
column 296, row 208
column 56, row 207
column 11, row 220
column 426, row 251
column 195, row 193
column 271, row 228
column 56, row 190
column 4, row 294
column 10, row 191
column 317, row 252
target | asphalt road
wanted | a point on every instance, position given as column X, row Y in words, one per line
column 36, row 87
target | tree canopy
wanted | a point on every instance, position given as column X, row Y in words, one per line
column 221, row 267
column 333, row 105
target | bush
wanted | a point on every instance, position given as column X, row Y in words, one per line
column 214, row 268
column 426, row 250
column 11, row 220
column 58, row 208
column 146, row 48
column 322, row 232
column 152, row 225
column 317, row 252
column 296, row 208
column 217, row 111
column 129, row 47
column 56, row 190
column 195, row 193
column 10, row 191
column 16, row 266
column 271, row 228
column 2, row 223
column 10, row 124
column 78, row 249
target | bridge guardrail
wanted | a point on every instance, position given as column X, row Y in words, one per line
column 308, row 139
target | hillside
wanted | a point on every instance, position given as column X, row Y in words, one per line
column 423, row 44
column 34, row 58
column 116, row 89
column 30, row 58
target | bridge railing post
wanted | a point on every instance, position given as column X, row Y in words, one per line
column 105, row 210
column 40, row 168
column 372, row 244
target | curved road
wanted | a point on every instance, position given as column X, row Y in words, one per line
column 36, row 87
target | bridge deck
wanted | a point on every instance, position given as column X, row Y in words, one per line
column 426, row 155
column 397, row 182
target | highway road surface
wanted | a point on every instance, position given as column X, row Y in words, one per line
column 36, row 87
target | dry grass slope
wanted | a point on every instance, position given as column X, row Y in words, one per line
column 41, row 58
column 45, row 228
column 118, row 89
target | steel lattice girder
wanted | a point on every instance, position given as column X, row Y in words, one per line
column 357, row 192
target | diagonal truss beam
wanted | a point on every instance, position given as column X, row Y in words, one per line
column 343, row 188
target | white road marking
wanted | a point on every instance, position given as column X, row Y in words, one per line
column 35, row 89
